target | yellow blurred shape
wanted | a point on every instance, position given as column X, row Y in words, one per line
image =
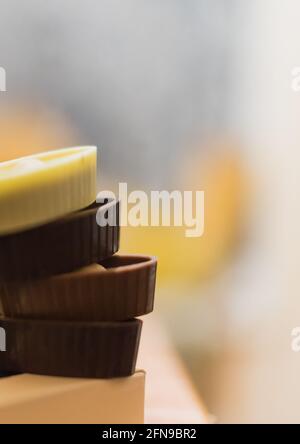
column 222, row 178
column 24, row 131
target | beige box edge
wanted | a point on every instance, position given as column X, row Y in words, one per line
column 34, row 399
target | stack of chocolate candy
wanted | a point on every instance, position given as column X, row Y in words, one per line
column 68, row 302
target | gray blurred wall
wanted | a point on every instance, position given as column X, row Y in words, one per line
column 140, row 78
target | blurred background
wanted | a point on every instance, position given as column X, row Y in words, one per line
column 195, row 96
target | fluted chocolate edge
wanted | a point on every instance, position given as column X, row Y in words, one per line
column 125, row 290
column 60, row 247
column 71, row 349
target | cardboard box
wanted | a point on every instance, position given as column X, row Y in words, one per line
column 32, row 399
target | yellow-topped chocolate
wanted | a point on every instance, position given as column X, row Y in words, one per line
column 38, row 189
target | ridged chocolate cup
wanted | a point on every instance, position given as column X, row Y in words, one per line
column 71, row 349
column 123, row 291
column 59, row 247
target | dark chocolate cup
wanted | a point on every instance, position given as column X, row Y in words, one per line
column 8, row 375
column 61, row 246
column 124, row 291
column 71, row 349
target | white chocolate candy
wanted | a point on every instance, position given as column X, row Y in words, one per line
column 39, row 189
